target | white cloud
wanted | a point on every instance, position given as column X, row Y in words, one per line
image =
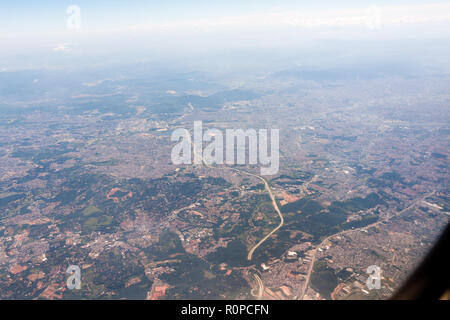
column 263, row 29
column 387, row 15
column 64, row 47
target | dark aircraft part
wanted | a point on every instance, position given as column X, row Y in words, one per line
column 431, row 280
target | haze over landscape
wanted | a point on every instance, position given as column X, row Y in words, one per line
column 359, row 92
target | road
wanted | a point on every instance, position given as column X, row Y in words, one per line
column 274, row 204
column 313, row 259
column 272, row 197
column 260, row 285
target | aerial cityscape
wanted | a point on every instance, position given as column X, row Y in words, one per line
column 87, row 178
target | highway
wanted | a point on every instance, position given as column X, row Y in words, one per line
column 274, row 204
column 272, row 197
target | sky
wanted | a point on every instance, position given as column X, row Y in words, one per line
column 47, row 15
column 46, row 28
